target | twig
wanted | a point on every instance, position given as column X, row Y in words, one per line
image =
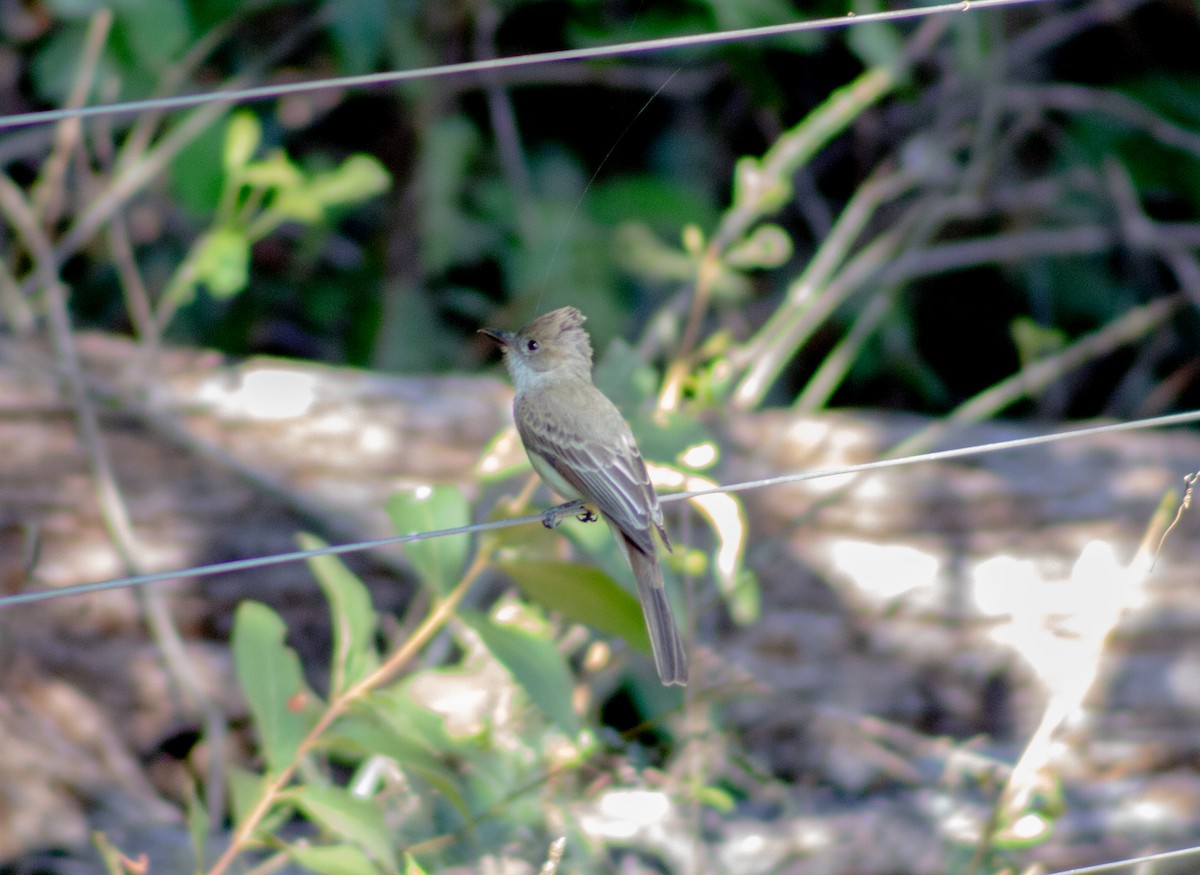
column 112, row 506
column 137, row 297
column 142, row 131
column 763, row 182
column 1080, row 98
column 442, row 612
column 135, row 170
column 999, row 249
column 836, row 365
column 1037, row 376
column 504, row 126
column 811, row 305
column 1061, row 25
column 1185, row 503
column 48, row 192
column 796, row 147
column 13, row 305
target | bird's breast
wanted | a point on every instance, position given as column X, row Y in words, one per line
column 550, row 476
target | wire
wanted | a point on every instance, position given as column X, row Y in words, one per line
column 492, row 65
column 257, row 562
column 301, row 555
column 941, row 455
column 1131, row 862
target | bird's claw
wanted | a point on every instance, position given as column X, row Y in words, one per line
column 555, row 515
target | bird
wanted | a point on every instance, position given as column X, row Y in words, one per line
column 583, row 449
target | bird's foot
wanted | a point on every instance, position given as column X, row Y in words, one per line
column 576, row 508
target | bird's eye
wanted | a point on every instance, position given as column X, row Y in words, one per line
column 532, row 345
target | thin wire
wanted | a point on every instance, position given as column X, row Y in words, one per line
column 264, row 92
column 941, row 455
column 1132, row 861
column 257, row 562
column 301, row 555
column 562, row 237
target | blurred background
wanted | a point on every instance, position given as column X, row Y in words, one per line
column 986, row 191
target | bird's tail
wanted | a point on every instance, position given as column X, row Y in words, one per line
column 669, row 654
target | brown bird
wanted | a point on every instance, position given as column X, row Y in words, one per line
column 581, row 446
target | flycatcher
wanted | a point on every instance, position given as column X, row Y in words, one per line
column 583, row 449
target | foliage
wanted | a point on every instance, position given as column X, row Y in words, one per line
column 258, row 196
column 421, row 768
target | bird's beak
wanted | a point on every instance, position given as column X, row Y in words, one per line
column 504, row 338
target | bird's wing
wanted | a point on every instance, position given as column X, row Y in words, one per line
column 610, row 475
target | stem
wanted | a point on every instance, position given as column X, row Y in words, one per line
column 48, row 194
column 442, row 611
column 1034, row 378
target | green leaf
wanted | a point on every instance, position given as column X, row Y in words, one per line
column 717, row 797
column 333, row 859
column 270, row 676
column 359, row 29
column 662, row 203
column 356, row 179
column 744, row 598
column 352, row 614
column 245, row 788
column 766, row 246
column 367, row 735
column 534, row 663
column 197, row 177
column 584, row 594
column 157, row 31
column 627, row 380
column 739, row 14
column 1034, row 341
column 55, row 65
column 197, row 825
column 412, row 720
column 877, row 44
column 411, row 866
column 372, row 735
column 75, row 9
column 274, row 171
column 667, row 435
column 755, row 189
column 438, row 561
column 299, row 204
column 638, row 250
column 242, row 136
column 350, row 818
column 446, row 173
column 222, row 262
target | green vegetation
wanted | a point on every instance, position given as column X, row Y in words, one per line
column 448, row 783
